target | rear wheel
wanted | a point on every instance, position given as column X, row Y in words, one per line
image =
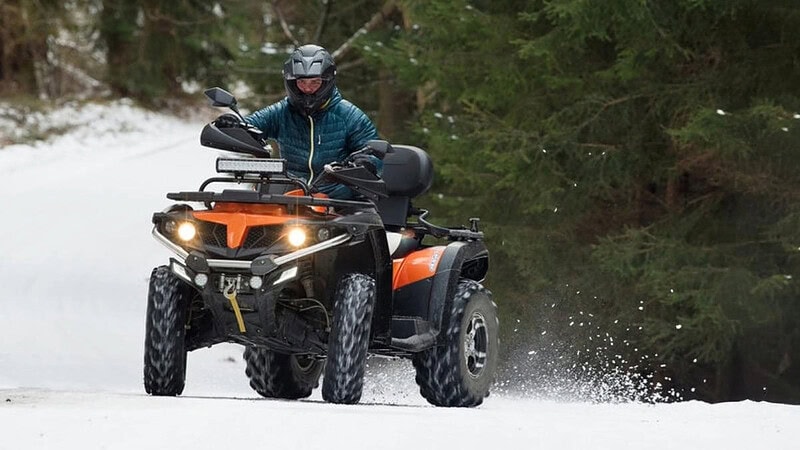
column 276, row 375
column 165, row 330
column 460, row 372
column 349, row 339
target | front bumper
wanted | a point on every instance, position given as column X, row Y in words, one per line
column 243, row 312
column 258, row 266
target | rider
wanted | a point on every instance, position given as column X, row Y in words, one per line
column 314, row 125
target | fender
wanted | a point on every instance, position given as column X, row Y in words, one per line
column 382, row 314
column 425, row 281
column 459, row 260
column 416, row 266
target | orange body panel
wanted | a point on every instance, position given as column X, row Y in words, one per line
column 416, row 266
column 238, row 217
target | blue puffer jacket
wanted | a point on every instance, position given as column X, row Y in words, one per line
column 307, row 143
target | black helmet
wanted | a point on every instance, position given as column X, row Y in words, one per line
column 309, row 61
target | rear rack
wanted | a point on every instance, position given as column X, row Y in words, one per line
column 444, row 232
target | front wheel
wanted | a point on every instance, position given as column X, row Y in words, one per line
column 168, row 300
column 276, row 375
column 349, row 339
column 460, row 372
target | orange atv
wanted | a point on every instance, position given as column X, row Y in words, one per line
column 310, row 284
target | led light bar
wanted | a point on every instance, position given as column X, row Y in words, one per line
column 258, row 166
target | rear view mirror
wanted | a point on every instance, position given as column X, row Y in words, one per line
column 220, row 97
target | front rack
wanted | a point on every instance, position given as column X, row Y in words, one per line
column 243, row 196
column 255, row 196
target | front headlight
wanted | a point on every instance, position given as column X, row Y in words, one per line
column 297, row 236
column 187, row 231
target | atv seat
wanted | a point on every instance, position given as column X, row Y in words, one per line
column 407, row 172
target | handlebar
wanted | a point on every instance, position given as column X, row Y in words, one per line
column 442, row 232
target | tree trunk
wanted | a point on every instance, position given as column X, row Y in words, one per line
column 386, row 105
column 18, row 55
column 5, row 46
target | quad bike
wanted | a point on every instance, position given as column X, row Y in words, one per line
column 310, row 284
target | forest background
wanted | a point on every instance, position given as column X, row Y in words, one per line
column 634, row 163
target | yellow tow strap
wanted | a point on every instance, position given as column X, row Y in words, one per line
column 230, row 294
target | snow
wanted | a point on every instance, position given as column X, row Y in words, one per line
column 76, row 255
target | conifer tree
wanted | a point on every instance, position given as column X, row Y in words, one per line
column 644, row 154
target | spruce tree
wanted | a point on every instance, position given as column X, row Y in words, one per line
column 643, row 153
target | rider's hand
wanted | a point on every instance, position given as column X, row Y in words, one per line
column 227, row 120
column 366, row 162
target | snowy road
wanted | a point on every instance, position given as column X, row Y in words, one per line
column 42, row 419
column 75, row 256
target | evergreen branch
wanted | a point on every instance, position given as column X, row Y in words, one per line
column 605, row 106
column 598, row 145
column 157, row 17
column 378, row 18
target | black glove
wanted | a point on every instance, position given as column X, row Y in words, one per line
column 366, row 162
column 227, row 120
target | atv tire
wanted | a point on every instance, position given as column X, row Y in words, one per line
column 460, row 372
column 276, row 375
column 165, row 330
column 348, row 342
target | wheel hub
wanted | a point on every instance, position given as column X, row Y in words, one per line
column 476, row 343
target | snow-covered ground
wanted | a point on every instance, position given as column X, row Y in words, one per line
column 75, row 256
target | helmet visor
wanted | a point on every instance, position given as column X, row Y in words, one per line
column 309, row 86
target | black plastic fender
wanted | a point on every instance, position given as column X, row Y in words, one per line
column 459, row 260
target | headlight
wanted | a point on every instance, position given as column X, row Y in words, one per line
column 297, row 236
column 187, row 231
column 256, row 166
